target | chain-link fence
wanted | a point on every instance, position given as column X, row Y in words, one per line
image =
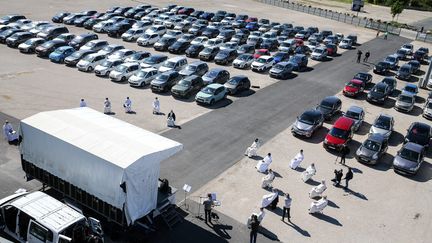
column 426, row 37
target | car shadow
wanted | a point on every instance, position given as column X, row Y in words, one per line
column 327, row 218
column 416, row 111
column 268, row 234
column 396, row 139
column 390, row 73
column 189, row 99
column 337, row 55
column 413, row 79
column 220, row 104
column 306, row 69
column 384, row 163
column 369, row 86
column 389, row 103
column 423, row 175
column 364, row 128
column 360, row 96
column 290, row 76
column 317, row 137
column 395, row 93
column 420, row 72
column 419, row 99
column 353, row 146
column 244, row 93
column 332, row 204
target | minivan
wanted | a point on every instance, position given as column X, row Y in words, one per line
column 175, row 63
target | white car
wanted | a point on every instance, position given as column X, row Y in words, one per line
column 173, row 33
column 143, row 77
column 142, row 25
column 243, row 61
column 287, row 46
column 94, row 45
column 320, row 53
column 121, row 54
column 213, row 42
column 102, row 26
column 132, row 34
column 88, row 63
column 106, row 67
column 200, row 40
column 156, row 29
column 148, row 39
column 262, row 64
column 346, row 43
column 229, row 45
column 110, row 49
column 408, row 48
column 124, row 71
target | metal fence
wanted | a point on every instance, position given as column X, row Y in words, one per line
column 341, row 17
column 426, row 37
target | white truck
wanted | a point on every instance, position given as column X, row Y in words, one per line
column 99, row 162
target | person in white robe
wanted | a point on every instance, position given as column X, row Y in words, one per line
column 127, row 105
column 83, row 103
column 263, row 165
column 251, row 151
column 295, row 162
column 9, row 133
column 269, row 198
column 107, row 106
column 318, row 206
column 318, row 190
column 268, row 179
column 156, row 106
column 309, row 172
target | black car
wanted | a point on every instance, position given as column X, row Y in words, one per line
column 239, row 23
column 207, row 15
column 139, row 15
column 419, row 133
column 165, row 81
column 330, row 106
column 391, row 82
column 91, row 22
column 419, row 55
column 46, row 48
column 195, row 68
column 80, row 21
column 240, row 38
column 58, row 18
column 197, row 13
column 18, row 38
column 179, row 47
column 307, row 123
column 379, row 93
column 366, row 78
column 70, row 19
column 237, row 83
column 372, row 149
column 163, row 43
column 82, row 39
column 246, row 48
column 187, row 86
column 381, row 68
column 194, row 50
column 11, row 18
column 216, row 75
column 208, row 53
column 225, row 56
column 210, row 32
column 118, row 29
column 7, row 33
column 226, row 35
column 75, row 57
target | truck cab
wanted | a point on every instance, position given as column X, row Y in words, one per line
column 38, row 218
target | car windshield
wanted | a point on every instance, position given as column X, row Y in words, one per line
column 405, row 69
column 409, row 155
column 169, row 64
column 107, row 64
column 295, row 59
column 354, row 84
column 383, row 123
column 77, row 54
column 338, row 133
column 319, row 51
column 121, row 68
column 429, row 105
column 261, row 60
column 191, row 68
column 379, row 89
column 183, row 82
column 89, row 58
column 420, row 131
column 372, row 145
column 279, row 66
column 212, row 74
column 207, row 50
column 234, row 81
column 141, row 74
column 90, row 44
column 151, row 60
column 401, row 52
column 162, row 78
column 353, row 115
column 60, row 50
column 406, row 98
column 327, row 105
column 410, row 89
column 307, row 118
column 382, row 64
column 244, row 57
column 208, row 90
column 391, row 59
column 360, row 76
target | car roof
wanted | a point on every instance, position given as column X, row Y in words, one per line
column 265, row 57
column 413, row 146
column 411, row 85
column 128, row 64
column 217, row 69
column 343, row 123
column 381, row 84
column 376, row 137
column 312, row 112
column 149, row 69
column 332, row 99
column 356, row 109
column 196, row 63
column 421, row 124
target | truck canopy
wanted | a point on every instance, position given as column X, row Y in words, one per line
column 98, row 153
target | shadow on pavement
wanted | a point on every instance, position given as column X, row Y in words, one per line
column 332, row 204
column 298, row 229
column 424, row 174
column 268, row 234
column 327, row 218
column 396, row 138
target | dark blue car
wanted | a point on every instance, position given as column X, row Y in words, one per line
column 252, row 26
column 281, row 57
column 61, row 53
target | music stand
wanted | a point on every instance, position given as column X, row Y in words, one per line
column 186, row 188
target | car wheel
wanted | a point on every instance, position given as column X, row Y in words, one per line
column 123, row 79
column 89, row 69
column 107, row 73
column 212, row 102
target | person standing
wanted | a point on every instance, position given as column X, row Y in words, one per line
column 348, row 176
column 287, row 207
column 295, row 162
column 156, row 106
column 344, row 152
column 261, row 215
column 208, row 204
column 127, row 105
column 367, row 55
column 83, row 103
column 338, row 177
column 385, row 35
column 107, row 106
column 378, row 32
column 359, row 54
column 254, row 225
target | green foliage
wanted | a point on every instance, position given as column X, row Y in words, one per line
column 396, row 8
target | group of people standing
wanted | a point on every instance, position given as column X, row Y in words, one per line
column 359, row 56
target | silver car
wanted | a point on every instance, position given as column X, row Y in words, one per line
column 427, row 110
column 319, row 53
column 143, row 77
column 307, row 123
column 405, row 102
column 372, row 149
column 89, row 63
column 409, row 159
column 383, row 125
column 106, row 67
column 357, row 114
column 243, row 61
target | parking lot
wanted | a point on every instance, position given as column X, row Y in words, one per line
column 382, row 206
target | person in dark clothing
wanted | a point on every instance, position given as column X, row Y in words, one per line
column 273, row 204
column 338, row 177
column 359, row 54
column 254, row 225
column 348, row 176
column 344, row 152
column 208, row 204
column 172, row 115
column 367, row 55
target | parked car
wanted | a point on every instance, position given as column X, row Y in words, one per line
column 356, row 113
column 307, row 123
column 30, row 45
column 379, row 93
column 58, row 18
column 391, row 82
column 393, row 61
column 410, row 89
column 81, row 40
column 187, row 86
column 330, row 106
column 104, row 69
column 340, row 134
column 124, row 71
column 198, row 68
column 405, row 102
column 94, row 45
column 353, row 38
column 47, row 47
column 401, row 54
column 366, row 78
column 73, row 59
column 132, row 34
column 404, row 72
column 153, row 61
column 299, row 62
column 165, row 81
column 415, row 66
column 409, row 159
column 237, row 83
column 320, row 54
column 262, row 64
column 243, row 61
column 179, row 47
column 419, row 133
column 137, row 56
column 383, row 125
column 261, row 52
column 175, row 63
column 372, row 149
column 346, row 43
column 211, row 94
column 109, row 49
column 143, row 77
column 11, row 18
column 281, row 57
column 381, row 68
column 408, row 48
column 427, row 110
column 420, row 55
column 61, row 53
column 281, row 70
column 225, row 57
column 67, row 37
column 216, row 75
column 164, row 43
column 194, row 50
column 117, row 29
column 148, row 39
column 7, row 33
column 208, row 53
column 89, row 63
column 214, row 42
column 353, row 88
column 18, row 38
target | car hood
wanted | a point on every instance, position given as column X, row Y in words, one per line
column 381, row 131
column 186, row 72
column 404, row 163
column 83, row 63
column 365, row 152
column 134, row 78
column 207, row 79
column 100, row 68
column 376, row 95
column 303, row 126
column 70, row 58
column 334, row 140
column 180, row 87
column 164, row 69
column 257, row 64
column 404, row 104
column 203, row 95
column 115, row 73
column 158, row 82
column 351, row 89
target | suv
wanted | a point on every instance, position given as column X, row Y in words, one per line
column 118, row 29
column 165, row 81
column 143, row 77
column 52, row 32
column 211, row 94
column 409, row 159
column 187, row 86
column 124, row 71
column 89, row 62
column 299, row 62
column 379, row 93
column 419, row 133
column 405, row 102
column 262, row 64
column 383, row 125
column 174, row 63
column 82, row 39
column 225, row 56
column 307, row 123
column 198, row 68
column 339, row 135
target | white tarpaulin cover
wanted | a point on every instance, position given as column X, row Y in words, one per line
column 97, row 153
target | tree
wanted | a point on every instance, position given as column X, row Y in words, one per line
column 396, row 8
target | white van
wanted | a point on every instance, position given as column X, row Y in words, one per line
column 38, row 218
column 175, row 63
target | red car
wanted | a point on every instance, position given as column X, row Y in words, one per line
column 353, row 88
column 331, row 49
column 186, row 11
column 339, row 135
column 261, row 52
column 299, row 42
column 251, row 19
